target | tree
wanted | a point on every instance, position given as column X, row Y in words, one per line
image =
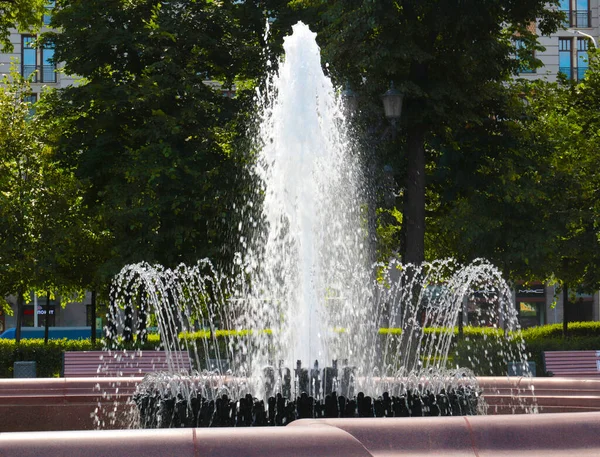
column 46, row 239
column 448, row 58
column 495, row 187
column 23, row 15
column 146, row 131
column 566, row 116
column 528, row 198
column 23, row 166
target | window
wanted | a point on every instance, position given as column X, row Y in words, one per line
column 582, row 57
column 581, row 309
column 29, row 319
column 49, row 7
column 531, row 314
column 48, row 67
column 582, row 14
column 523, row 55
column 31, row 99
column 565, row 7
column 28, row 58
column 564, row 57
column 531, row 304
column 31, row 58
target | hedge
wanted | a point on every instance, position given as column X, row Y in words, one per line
column 48, row 357
column 484, row 359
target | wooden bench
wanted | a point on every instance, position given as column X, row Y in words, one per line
column 571, row 364
column 119, row 363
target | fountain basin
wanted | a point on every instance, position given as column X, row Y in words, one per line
column 493, row 436
column 48, row 404
column 68, row 404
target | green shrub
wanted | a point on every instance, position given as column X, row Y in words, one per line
column 489, row 357
column 576, row 330
column 483, row 349
column 48, row 357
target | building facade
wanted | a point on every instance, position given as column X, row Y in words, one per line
column 35, row 62
column 540, row 304
column 566, row 50
column 72, row 314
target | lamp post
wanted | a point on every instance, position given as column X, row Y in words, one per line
column 592, row 39
column 579, row 32
column 392, row 103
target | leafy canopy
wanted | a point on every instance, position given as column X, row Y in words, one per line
column 23, row 15
column 146, row 131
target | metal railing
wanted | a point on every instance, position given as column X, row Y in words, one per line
column 41, row 73
column 567, row 71
column 578, row 18
column 566, row 22
column 572, row 72
column 582, row 19
column 524, row 69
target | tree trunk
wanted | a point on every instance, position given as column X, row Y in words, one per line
column 111, row 328
column 142, row 331
column 565, row 310
column 47, row 321
column 461, row 330
column 128, row 315
column 414, row 198
column 93, row 317
column 20, row 304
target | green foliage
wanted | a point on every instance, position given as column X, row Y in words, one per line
column 48, row 357
column 495, row 192
column 583, row 336
column 487, row 357
column 148, row 134
column 576, row 330
column 21, row 170
column 451, row 61
column 46, row 240
column 526, row 194
column 483, row 349
column 24, row 15
column 444, row 54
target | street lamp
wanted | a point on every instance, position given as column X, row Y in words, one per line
column 392, row 103
column 579, row 32
column 593, row 40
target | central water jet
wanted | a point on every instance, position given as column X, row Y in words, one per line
column 313, row 246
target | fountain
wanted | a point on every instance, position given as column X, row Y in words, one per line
column 305, row 285
column 304, row 293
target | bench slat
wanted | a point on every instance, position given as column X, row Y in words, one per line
column 573, row 363
column 101, row 363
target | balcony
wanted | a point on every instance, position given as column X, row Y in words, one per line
column 567, row 71
column 567, row 22
column 524, row 69
column 41, row 73
column 581, row 19
column 572, row 72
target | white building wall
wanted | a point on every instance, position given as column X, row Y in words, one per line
column 62, row 80
column 550, row 57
